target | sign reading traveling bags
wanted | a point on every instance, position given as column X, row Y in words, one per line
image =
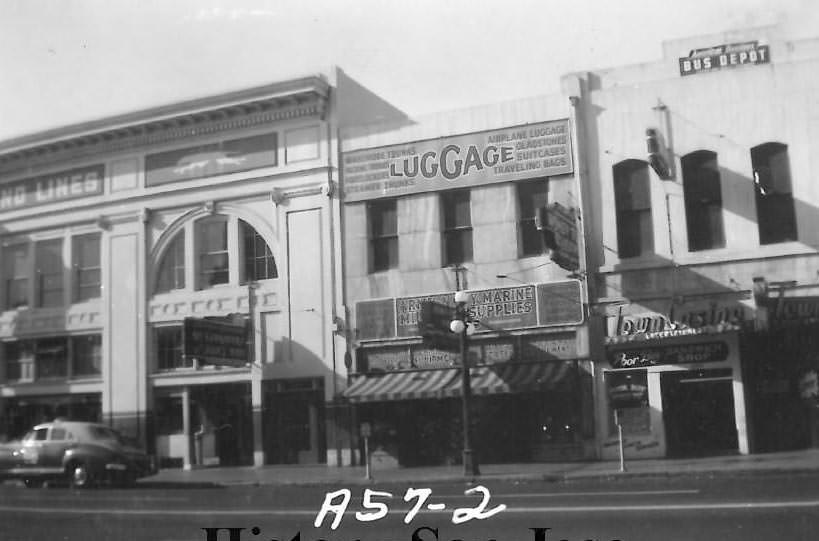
column 214, row 342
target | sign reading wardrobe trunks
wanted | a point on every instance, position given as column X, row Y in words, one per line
column 534, row 150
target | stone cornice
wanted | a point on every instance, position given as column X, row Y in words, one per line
column 165, row 125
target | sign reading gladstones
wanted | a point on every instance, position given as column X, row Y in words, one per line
column 214, row 342
column 534, row 150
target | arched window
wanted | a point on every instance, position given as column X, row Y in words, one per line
column 172, row 267
column 217, row 240
column 259, row 263
column 632, row 201
column 774, row 200
column 703, row 200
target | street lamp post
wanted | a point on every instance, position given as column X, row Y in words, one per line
column 459, row 326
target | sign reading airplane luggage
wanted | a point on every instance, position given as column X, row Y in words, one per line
column 514, row 153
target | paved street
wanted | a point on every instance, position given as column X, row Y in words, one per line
column 773, row 505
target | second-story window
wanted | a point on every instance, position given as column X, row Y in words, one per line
column 532, row 195
column 212, row 247
column 49, row 265
column 15, row 272
column 632, row 201
column 457, row 230
column 259, row 261
column 774, row 201
column 87, row 273
column 382, row 225
column 703, row 201
column 172, row 267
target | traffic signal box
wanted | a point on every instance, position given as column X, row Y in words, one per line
column 433, row 322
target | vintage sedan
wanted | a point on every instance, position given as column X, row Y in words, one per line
column 83, row 454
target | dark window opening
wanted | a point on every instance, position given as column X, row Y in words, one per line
column 457, row 230
column 87, row 270
column 383, row 234
column 532, row 195
column 703, row 201
column 168, row 343
column 632, row 201
column 774, row 201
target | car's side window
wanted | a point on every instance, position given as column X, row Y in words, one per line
column 58, row 434
column 40, row 434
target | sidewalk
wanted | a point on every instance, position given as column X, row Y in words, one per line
column 792, row 461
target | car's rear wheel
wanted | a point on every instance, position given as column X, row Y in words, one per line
column 80, row 475
column 33, row 483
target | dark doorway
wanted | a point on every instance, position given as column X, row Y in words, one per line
column 698, row 411
column 294, row 421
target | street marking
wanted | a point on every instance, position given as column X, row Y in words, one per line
column 520, row 510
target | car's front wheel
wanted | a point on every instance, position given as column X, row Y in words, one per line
column 80, row 475
column 33, row 483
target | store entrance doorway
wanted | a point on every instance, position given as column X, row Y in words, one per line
column 698, row 412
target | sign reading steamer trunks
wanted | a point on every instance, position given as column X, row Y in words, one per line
column 534, row 150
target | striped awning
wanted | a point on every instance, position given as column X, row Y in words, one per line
column 513, row 378
column 400, row 385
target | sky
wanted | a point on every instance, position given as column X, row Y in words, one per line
column 64, row 62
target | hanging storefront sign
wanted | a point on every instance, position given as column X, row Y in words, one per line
column 211, row 159
column 504, row 308
column 637, row 322
column 521, row 152
column 52, row 188
column 214, row 342
column 701, row 352
column 724, row 56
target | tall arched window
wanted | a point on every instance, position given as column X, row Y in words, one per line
column 632, row 201
column 774, row 200
column 703, row 200
column 259, row 263
column 172, row 267
column 217, row 240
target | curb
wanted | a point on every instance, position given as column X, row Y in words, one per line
column 601, row 477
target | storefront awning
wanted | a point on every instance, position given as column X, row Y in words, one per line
column 400, row 386
column 513, row 378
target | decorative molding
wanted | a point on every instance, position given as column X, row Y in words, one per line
column 277, row 196
column 49, row 321
column 209, row 207
column 218, row 302
column 185, row 126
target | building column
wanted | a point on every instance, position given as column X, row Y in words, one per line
column 187, row 461
column 258, row 427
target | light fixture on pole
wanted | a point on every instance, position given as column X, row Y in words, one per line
column 460, row 326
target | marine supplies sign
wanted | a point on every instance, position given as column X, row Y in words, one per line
column 491, row 310
column 533, row 150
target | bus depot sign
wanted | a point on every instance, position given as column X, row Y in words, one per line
column 724, row 56
column 533, row 150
